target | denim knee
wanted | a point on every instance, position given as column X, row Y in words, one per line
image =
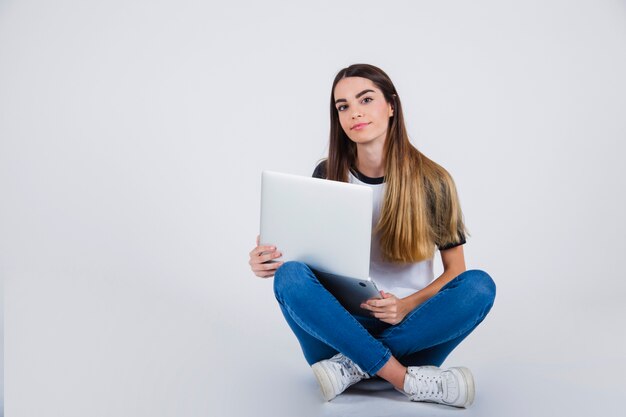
column 483, row 288
column 289, row 276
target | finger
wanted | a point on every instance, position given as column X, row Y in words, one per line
column 261, row 259
column 268, row 269
column 260, row 249
column 386, row 294
column 263, row 268
column 381, row 303
column 262, row 273
column 371, row 301
column 386, row 309
column 374, row 309
column 257, row 239
column 383, row 316
column 269, row 256
column 263, row 248
column 272, row 266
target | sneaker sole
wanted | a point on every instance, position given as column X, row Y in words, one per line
column 469, row 383
column 325, row 381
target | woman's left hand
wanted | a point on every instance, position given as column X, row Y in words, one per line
column 389, row 309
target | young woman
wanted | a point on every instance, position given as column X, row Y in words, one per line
column 419, row 320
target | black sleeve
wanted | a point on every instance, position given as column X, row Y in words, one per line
column 320, row 170
column 452, row 245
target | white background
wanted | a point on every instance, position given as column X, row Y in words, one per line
column 132, row 137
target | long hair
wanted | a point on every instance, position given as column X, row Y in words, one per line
column 421, row 207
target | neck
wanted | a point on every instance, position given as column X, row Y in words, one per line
column 369, row 160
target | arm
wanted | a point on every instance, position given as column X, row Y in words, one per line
column 453, row 261
column 392, row 309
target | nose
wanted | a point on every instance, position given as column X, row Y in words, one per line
column 356, row 114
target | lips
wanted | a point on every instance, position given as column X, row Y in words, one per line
column 359, row 126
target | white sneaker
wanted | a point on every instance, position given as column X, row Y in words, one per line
column 454, row 386
column 336, row 374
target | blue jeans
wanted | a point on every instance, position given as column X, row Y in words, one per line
column 426, row 336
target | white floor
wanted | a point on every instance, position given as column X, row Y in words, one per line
column 571, row 367
column 101, row 347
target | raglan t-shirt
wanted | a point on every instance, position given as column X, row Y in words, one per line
column 400, row 279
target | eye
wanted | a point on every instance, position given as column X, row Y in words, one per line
column 367, row 98
column 341, row 108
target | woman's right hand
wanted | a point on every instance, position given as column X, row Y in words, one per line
column 259, row 258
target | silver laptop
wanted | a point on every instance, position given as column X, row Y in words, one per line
column 326, row 225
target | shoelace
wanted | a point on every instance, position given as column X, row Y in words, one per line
column 426, row 388
column 353, row 372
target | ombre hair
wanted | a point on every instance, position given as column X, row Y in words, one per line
column 421, row 208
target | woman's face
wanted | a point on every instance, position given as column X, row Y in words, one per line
column 363, row 111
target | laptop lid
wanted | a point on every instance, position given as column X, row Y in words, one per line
column 325, row 224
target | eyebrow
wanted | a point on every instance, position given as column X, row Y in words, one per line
column 357, row 96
